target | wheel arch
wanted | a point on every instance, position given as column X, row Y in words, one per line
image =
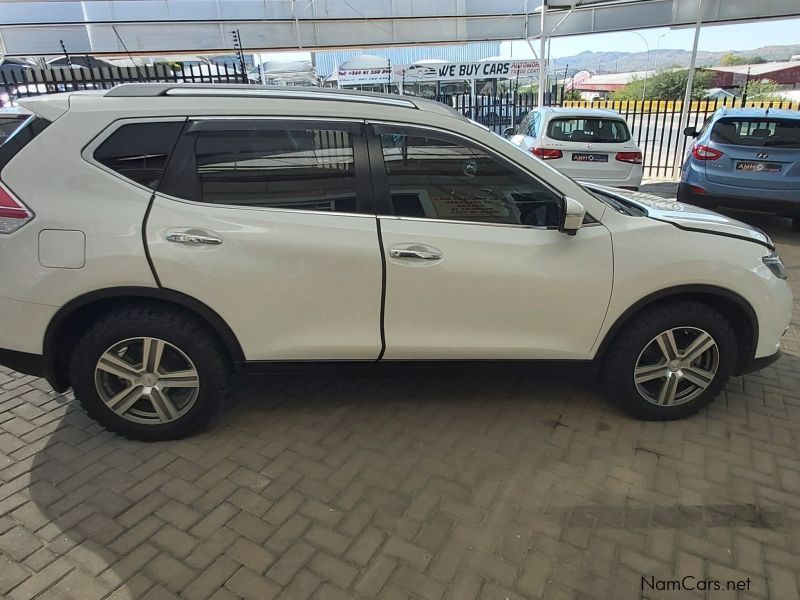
column 66, row 324
column 730, row 304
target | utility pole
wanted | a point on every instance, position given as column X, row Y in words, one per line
column 542, row 65
column 687, row 97
column 237, row 45
column 64, row 48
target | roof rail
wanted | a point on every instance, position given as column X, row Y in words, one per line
column 243, row 90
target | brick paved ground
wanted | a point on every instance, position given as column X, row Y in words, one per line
column 488, row 487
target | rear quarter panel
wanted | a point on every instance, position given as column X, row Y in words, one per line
column 68, row 193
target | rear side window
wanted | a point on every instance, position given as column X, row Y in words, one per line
column 16, row 139
column 139, row 151
column 757, row 132
column 240, row 163
column 580, row 129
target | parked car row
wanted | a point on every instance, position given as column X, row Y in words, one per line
column 186, row 233
column 745, row 158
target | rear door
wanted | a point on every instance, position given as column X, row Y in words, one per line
column 589, row 146
column 758, row 153
column 264, row 221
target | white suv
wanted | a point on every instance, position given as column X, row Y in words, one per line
column 156, row 239
column 588, row 144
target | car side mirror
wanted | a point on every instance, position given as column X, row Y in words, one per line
column 690, row 131
column 508, row 132
column 573, row 216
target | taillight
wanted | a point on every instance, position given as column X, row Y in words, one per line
column 13, row 213
column 547, row 153
column 701, row 152
column 629, row 157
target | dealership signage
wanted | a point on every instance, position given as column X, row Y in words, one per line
column 493, row 69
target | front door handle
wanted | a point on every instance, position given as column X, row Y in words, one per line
column 193, row 237
column 411, row 253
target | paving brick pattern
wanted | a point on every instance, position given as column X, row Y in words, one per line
column 477, row 486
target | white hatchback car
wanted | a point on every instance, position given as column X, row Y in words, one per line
column 186, row 233
column 587, row 144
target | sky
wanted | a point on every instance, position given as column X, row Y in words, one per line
column 713, row 38
column 744, row 36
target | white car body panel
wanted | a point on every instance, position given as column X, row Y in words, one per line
column 499, row 292
column 293, row 285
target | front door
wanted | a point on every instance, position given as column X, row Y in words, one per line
column 262, row 221
column 476, row 266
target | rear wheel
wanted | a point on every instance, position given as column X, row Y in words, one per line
column 672, row 360
column 149, row 373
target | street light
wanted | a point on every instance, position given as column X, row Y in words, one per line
column 655, row 56
column 647, row 63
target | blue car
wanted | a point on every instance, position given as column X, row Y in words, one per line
column 746, row 158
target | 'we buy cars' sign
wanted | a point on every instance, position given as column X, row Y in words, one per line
column 495, row 69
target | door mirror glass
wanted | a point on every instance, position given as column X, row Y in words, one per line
column 574, row 213
column 690, row 131
column 508, row 132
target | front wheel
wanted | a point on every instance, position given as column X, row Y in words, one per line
column 149, row 373
column 671, row 360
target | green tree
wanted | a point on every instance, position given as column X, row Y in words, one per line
column 731, row 59
column 764, row 90
column 669, row 84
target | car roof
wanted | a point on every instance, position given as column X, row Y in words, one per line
column 759, row 113
column 580, row 112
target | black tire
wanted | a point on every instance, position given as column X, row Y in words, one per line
column 796, row 224
column 179, row 329
column 622, row 356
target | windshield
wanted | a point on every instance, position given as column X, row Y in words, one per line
column 588, row 129
column 757, row 132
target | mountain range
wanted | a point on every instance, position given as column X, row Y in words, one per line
column 603, row 61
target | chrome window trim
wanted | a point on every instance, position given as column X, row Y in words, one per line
column 263, row 208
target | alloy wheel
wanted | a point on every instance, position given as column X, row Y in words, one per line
column 147, row 380
column 676, row 366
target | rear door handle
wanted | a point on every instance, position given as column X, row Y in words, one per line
column 193, row 237
column 416, row 254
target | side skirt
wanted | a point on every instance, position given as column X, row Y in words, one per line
column 405, row 366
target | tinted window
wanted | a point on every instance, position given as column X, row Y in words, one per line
column 139, row 151
column 16, row 140
column 8, row 125
column 588, row 130
column 438, row 178
column 757, row 132
column 307, row 169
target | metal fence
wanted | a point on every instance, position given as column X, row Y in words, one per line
column 18, row 83
column 653, row 123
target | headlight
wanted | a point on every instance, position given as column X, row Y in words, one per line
column 775, row 264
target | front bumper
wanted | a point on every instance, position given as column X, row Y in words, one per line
column 756, row 364
column 23, row 362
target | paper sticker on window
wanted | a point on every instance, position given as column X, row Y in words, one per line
column 461, row 207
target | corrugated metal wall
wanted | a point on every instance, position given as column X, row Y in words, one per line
column 328, row 62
